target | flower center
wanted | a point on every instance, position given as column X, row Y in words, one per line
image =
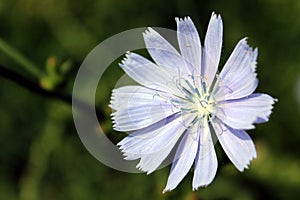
column 197, row 99
column 203, row 105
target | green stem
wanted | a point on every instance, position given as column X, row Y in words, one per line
column 20, row 59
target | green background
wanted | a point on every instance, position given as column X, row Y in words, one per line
column 41, row 155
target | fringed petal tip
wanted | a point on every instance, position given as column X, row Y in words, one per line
column 149, row 32
column 271, row 101
column 244, row 42
column 200, row 186
column 124, row 61
column 252, row 52
column 274, row 100
column 115, row 126
column 216, row 16
column 242, row 169
column 129, row 57
column 143, row 169
column 184, row 19
column 167, row 190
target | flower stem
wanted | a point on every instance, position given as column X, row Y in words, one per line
column 20, row 59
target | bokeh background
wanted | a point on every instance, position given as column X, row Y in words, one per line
column 42, row 46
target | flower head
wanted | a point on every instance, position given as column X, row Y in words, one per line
column 181, row 99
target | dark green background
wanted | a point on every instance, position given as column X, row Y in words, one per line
column 41, row 155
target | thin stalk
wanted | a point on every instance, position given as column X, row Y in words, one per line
column 20, row 59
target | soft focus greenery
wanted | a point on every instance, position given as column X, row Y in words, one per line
column 41, row 154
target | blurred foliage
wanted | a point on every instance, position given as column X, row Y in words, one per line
column 41, row 154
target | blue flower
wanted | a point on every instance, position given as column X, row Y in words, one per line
column 182, row 99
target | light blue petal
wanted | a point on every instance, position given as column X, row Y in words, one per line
column 238, row 78
column 153, row 138
column 147, row 141
column 148, row 74
column 237, row 144
column 163, row 53
column 137, row 117
column 144, row 135
column 212, row 48
column 137, row 107
column 153, row 144
column 129, row 96
column 150, row 162
column 243, row 113
column 206, row 162
column 184, row 158
column 189, row 43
